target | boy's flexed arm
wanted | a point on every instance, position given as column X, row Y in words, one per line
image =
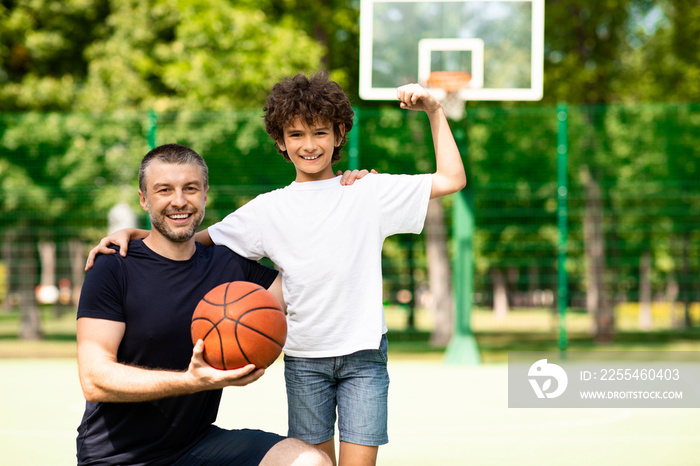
column 449, row 176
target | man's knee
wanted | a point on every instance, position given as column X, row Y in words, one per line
column 294, row 452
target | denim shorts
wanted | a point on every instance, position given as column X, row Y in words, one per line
column 357, row 385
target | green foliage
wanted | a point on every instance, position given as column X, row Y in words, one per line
column 80, row 76
column 584, row 43
column 42, row 44
column 629, row 50
column 669, row 61
column 333, row 24
column 110, row 58
column 191, row 54
column 75, row 165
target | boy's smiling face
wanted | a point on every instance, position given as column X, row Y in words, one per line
column 310, row 148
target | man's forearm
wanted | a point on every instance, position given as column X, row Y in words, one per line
column 104, row 379
column 120, row 383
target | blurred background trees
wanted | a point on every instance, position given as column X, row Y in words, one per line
column 77, row 78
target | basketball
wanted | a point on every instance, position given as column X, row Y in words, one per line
column 241, row 323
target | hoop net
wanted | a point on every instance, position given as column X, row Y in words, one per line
column 451, row 82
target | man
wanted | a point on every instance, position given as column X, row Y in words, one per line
column 151, row 398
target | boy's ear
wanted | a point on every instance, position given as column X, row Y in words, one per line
column 341, row 135
column 282, row 146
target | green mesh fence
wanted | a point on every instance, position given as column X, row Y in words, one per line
column 633, row 197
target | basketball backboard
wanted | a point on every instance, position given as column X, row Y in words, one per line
column 499, row 42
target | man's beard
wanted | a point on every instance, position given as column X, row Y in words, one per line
column 159, row 223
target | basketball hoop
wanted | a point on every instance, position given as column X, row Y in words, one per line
column 451, row 82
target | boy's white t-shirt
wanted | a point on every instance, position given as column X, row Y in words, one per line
column 327, row 240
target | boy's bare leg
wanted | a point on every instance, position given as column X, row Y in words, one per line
column 294, row 452
column 328, row 447
column 352, row 454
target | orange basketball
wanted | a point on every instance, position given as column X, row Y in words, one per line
column 241, row 323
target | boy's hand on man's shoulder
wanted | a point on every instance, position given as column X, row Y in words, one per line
column 350, row 176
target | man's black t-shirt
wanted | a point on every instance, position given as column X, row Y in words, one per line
column 155, row 297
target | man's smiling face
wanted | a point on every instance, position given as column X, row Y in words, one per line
column 175, row 199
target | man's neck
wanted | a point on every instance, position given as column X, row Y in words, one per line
column 170, row 249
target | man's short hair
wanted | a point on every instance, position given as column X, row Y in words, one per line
column 172, row 153
column 314, row 100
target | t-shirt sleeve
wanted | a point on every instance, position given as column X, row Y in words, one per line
column 403, row 201
column 240, row 232
column 102, row 291
column 258, row 273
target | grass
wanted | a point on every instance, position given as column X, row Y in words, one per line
column 58, row 336
column 521, row 330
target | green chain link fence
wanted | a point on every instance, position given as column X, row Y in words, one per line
column 622, row 235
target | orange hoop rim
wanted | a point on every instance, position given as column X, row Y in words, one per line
column 449, row 81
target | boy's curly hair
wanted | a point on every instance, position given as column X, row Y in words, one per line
column 313, row 99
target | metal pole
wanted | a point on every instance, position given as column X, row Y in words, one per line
column 562, row 220
column 151, row 133
column 151, row 129
column 463, row 348
column 354, row 142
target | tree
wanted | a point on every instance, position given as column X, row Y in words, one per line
column 57, row 184
column 191, row 54
column 42, row 61
column 333, row 24
column 662, row 62
column 123, row 57
column 584, row 45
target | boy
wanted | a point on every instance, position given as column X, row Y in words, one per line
column 326, row 240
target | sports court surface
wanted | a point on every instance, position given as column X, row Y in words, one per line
column 439, row 415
